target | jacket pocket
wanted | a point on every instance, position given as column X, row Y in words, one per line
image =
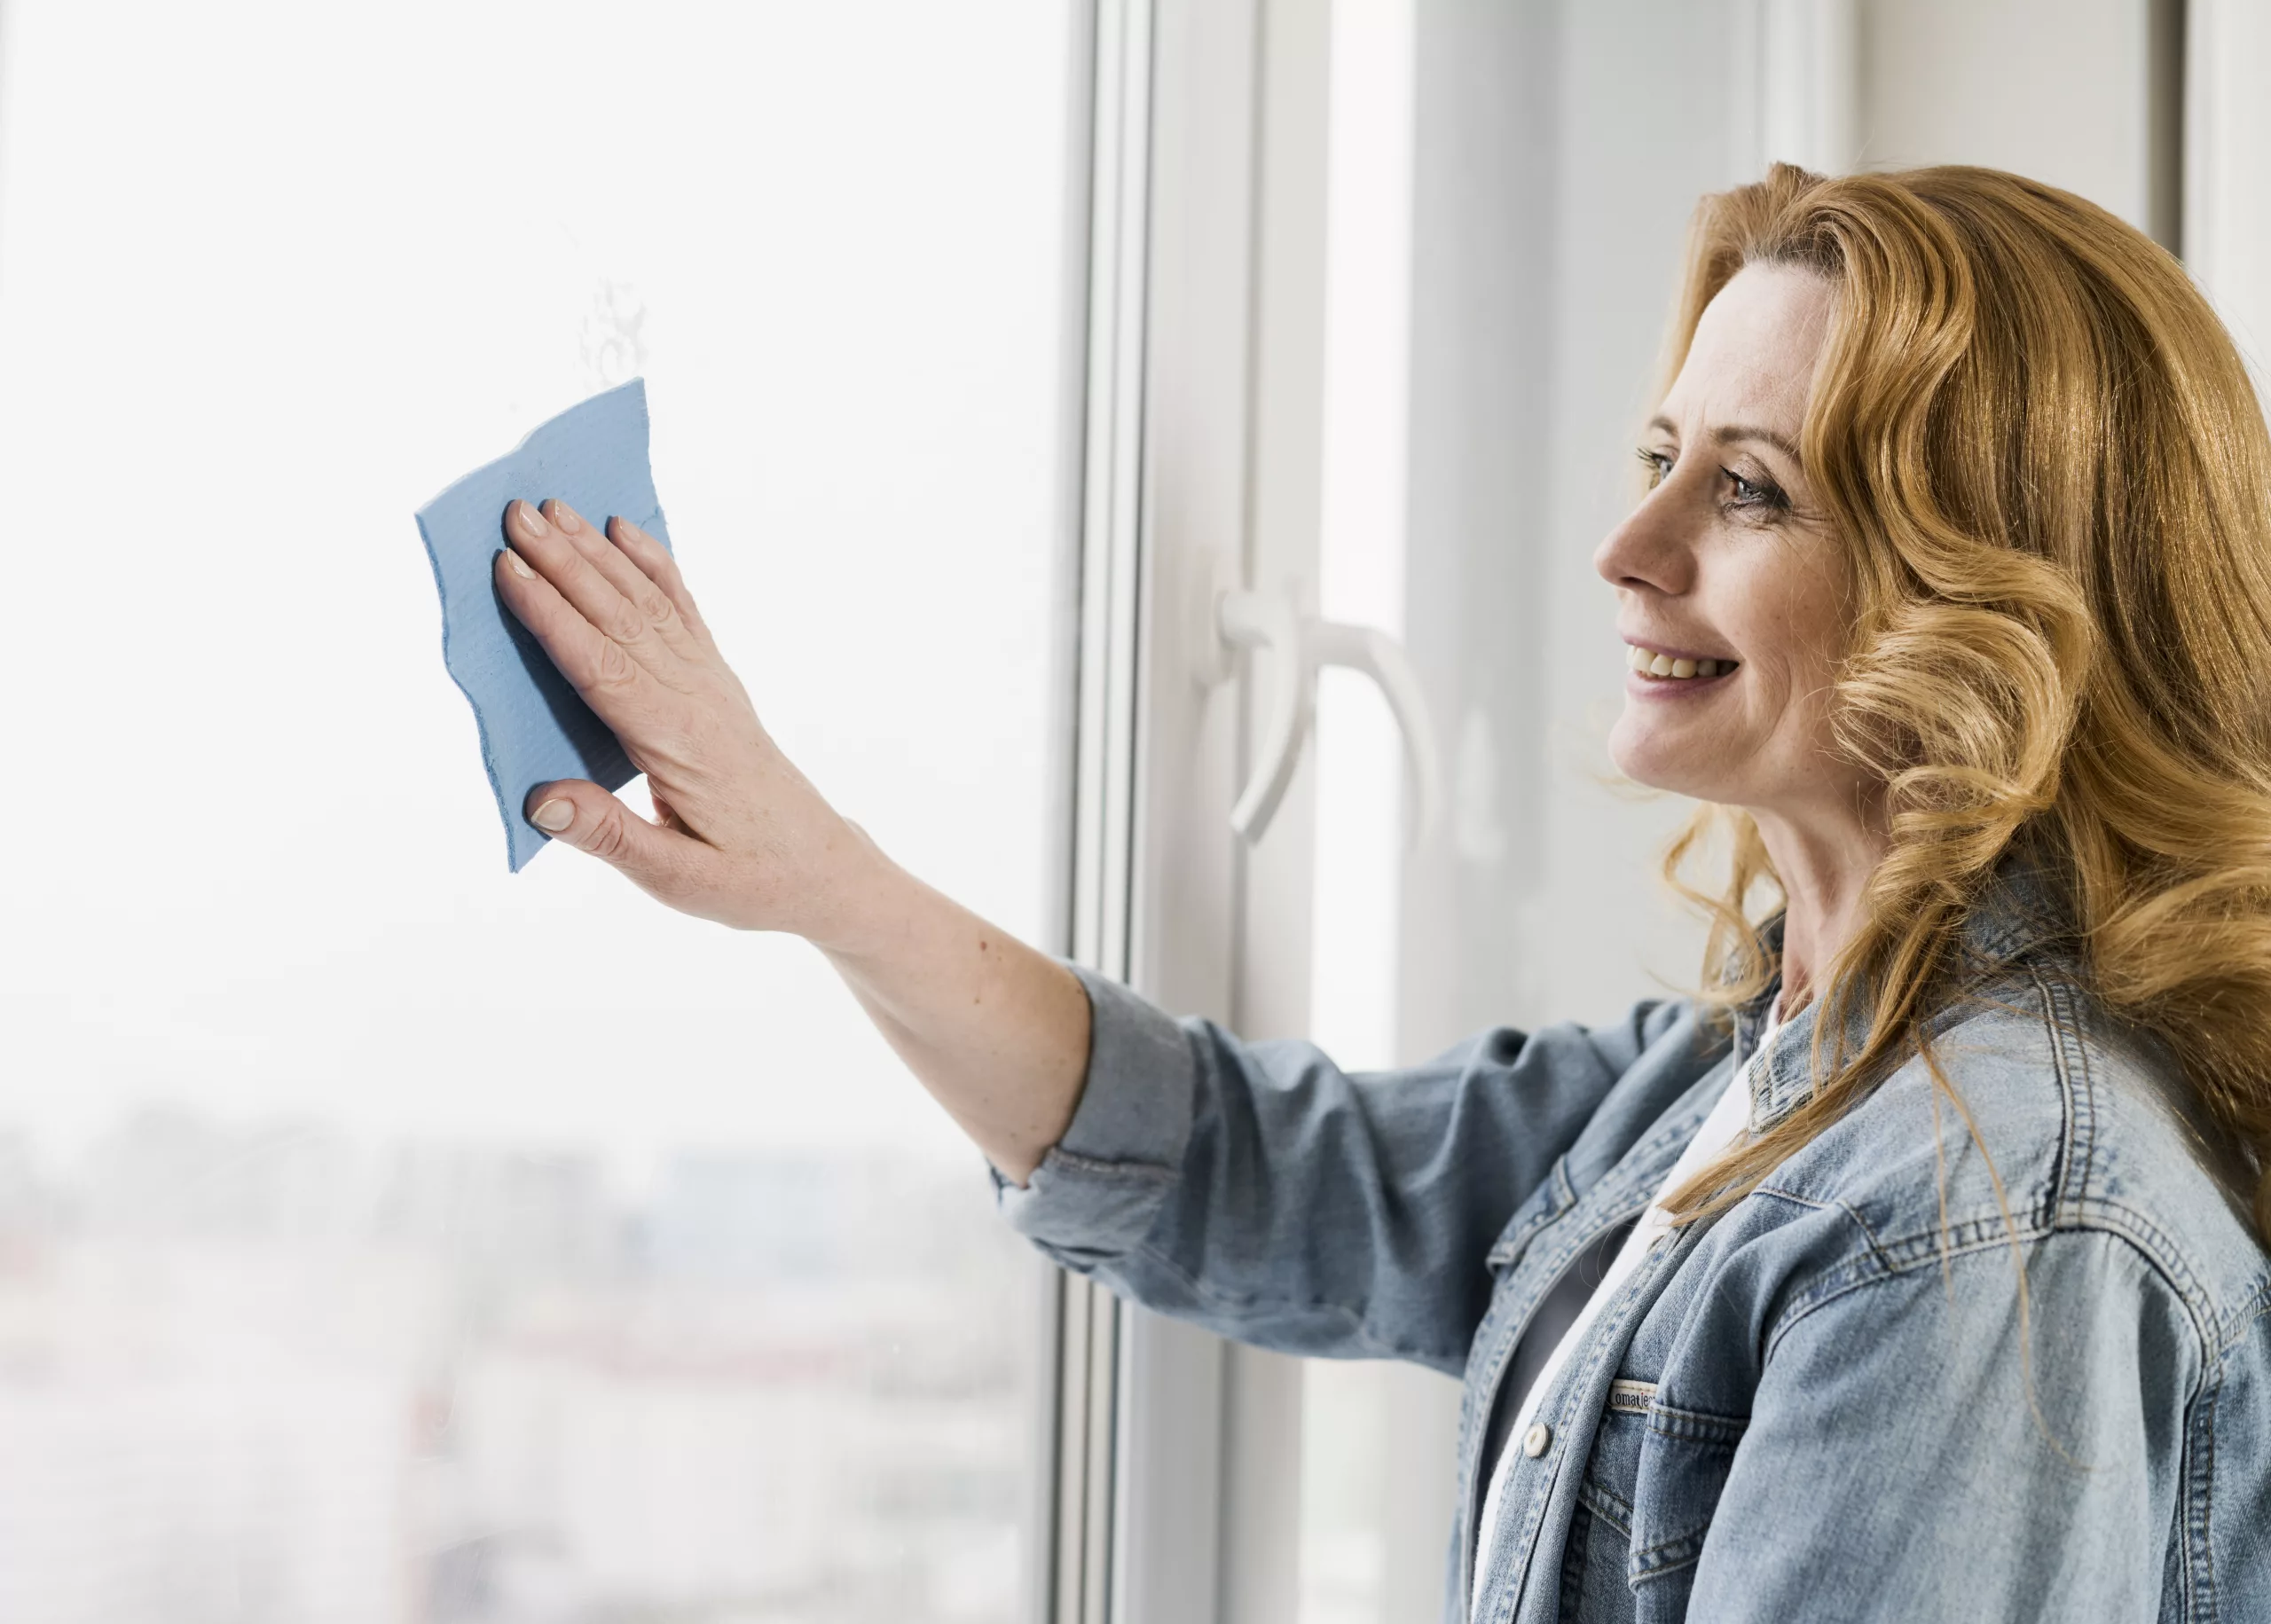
column 1595, row 1563
column 1684, row 1458
column 1644, row 1506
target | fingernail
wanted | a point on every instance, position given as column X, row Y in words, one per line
column 567, row 518
column 531, row 521
column 628, row 529
column 518, row 565
column 553, row 816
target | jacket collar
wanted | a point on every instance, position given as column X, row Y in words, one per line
column 2020, row 916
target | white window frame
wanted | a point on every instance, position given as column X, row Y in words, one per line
column 1173, row 1455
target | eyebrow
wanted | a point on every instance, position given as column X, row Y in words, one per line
column 1728, row 433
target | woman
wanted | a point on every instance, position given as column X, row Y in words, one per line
column 1928, row 1234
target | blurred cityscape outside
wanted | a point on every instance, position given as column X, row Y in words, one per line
column 267, row 1375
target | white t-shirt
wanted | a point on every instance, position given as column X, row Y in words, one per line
column 1720, row 1129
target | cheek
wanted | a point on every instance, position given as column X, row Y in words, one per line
column 1791, row 616
column 1804, row 626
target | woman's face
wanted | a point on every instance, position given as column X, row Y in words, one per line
column 1732, row 594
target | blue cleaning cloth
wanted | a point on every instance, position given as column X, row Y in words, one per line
column 533, row 728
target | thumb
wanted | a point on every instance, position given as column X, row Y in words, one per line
column 579, row 813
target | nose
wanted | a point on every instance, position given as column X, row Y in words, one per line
column 1651, row 551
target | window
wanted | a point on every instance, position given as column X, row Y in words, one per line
column 383, row 1236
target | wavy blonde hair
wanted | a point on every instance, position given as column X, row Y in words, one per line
column 2045, row 459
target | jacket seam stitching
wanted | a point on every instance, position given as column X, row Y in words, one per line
column 1131, row 1170
column 1657, row 1562
column 2161, row 1255
column 1522, row 1232
column 2244, row 1314
column 2086, row 1104
column 2068, row 1128
column 1696, row 1426
column 2097, row 1215
column 1606, row 1504
column 1869, row 1235
column 1808, row 1304
column 2197, row 1531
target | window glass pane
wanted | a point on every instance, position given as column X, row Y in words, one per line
column 383, row 1236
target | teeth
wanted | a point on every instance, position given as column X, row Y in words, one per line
column 1648, row 665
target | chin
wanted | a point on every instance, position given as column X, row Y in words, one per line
column 1676, row 766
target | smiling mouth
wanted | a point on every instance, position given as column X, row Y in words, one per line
column 1663, row 668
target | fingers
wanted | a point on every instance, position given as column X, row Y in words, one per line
column 655, row 610
column 655, row 561
column 552, row 549
column 594, row 664
column 668, row 865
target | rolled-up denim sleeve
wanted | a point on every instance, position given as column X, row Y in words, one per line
column 1098, row 1191
column 1260, row 1190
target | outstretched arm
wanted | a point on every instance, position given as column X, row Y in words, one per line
column 1256, row 1188
column 996, row 1030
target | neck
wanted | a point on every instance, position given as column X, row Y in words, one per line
column 1825, row 867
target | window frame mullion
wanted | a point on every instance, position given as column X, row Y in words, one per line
column 1155, row 875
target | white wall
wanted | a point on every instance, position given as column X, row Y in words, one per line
column 1561, row 152
column 2058, row 90
column 2228, row 168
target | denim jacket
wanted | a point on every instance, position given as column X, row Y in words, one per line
column 1832, row 1402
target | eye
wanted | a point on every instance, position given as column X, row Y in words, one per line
column 1659, row 465
column 1756, row 495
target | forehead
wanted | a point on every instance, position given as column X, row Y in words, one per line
column 1755, row 350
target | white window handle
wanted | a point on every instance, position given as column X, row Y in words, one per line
column 1302, row 644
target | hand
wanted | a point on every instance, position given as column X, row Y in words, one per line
column 739, row 836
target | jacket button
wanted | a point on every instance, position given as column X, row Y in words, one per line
column 1537, row 1440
